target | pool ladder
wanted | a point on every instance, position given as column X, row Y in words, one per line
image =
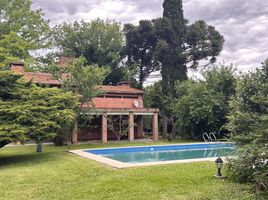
column 211, row 137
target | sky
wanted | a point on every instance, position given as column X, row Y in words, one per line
column 243, row 23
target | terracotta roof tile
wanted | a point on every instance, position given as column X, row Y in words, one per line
column 43, row 78
column 120, row 89
column 46, row 78
column 104, row 103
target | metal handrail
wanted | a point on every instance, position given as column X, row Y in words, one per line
column 206, row 137
column 214, row 137
column 211, row 137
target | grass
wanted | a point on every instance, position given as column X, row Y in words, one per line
column 56, row 174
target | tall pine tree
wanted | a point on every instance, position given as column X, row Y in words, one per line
column 175, row 68
column 181, row 45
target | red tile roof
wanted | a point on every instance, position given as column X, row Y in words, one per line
column 35, row 77
column 46, row 78
column 104, row 103
column 42, row 78
column 120, row 89
column 98, row 102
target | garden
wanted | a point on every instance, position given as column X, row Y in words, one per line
column 56, row 174
column 221, row 100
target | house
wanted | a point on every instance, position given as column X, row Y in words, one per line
column 115, row 100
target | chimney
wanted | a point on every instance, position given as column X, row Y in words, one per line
column 17, row 67
column 124, row 83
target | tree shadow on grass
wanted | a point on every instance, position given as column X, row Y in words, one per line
column 25, row 159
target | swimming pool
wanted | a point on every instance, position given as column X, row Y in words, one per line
column 160, row 154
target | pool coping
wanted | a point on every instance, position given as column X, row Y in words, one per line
column 121, row 165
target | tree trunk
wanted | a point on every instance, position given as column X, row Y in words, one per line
column 173, row 133
column 74, row 133
column 164, row 126
column 39, row 147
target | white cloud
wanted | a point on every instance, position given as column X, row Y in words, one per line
column 244, row 24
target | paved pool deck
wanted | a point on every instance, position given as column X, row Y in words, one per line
column 121, row 165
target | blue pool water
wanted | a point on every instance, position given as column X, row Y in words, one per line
column 165, row 153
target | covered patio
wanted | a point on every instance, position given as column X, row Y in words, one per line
column 104, row 113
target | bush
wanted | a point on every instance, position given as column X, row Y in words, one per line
column 202, row 105
column 248, row 125
column 250, row 166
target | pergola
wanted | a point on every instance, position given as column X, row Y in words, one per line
column 139, row 112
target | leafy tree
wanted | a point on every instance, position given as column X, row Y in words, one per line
column 180, row 45
column 196, row 110
column 170, row 44
column 222, row 80
column 12, row 48
column 152, row 97
column 21, row 30
column 82, row 80
column 202, row 105
column 100, row 42
column 140, row 49
column 31, row 112
column 248, row 124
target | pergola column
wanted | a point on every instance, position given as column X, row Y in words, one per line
column 104, row 128
column 131, row 127
column 155, row 126
column 140, row 126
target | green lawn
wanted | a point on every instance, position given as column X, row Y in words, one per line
column 56, row 174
